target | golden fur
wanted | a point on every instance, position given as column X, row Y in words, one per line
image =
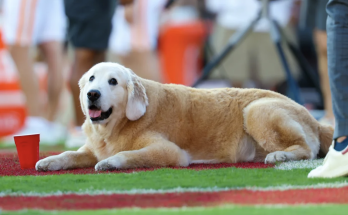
column 155, row 124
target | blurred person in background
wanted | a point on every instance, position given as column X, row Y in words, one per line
column 134, row 37
column 89, row 28
column 27, row 23
column 158, row 43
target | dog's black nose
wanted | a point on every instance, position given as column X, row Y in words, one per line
column 93, row 95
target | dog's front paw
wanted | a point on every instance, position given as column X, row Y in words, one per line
column 51, row 163
column 278, row 156
column 102, row 165
column 117, row 161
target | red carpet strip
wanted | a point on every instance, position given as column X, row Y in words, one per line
column 9, row 166
column 241, row 197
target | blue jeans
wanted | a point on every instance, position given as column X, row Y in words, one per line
column 337, row 50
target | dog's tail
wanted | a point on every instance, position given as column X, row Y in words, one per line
column 325, row 137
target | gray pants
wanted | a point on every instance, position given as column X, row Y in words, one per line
column 337, row 48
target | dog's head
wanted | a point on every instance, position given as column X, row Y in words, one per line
column 109, row 89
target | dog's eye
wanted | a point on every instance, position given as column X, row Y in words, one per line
column 91, row 78
column 112, row 81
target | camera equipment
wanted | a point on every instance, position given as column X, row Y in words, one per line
column 278, row 37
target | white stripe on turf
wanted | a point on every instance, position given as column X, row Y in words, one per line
column 169, row 210
column 303, row 164
column 175, row 190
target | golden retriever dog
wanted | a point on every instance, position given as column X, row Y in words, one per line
column 132, row 122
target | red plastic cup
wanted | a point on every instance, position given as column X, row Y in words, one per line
column 28, row 150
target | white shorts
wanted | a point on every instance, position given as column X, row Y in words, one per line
column 31, row 22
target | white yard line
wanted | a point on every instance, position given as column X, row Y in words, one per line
column 303, row 164
column 193, row 209
column 176, row 190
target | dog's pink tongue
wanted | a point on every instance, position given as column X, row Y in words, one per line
column 94, row 113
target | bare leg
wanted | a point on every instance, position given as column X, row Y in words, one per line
column 141, row 59
column 159, row 154
column 144, row 63
column 84, row 60
column 54, row 57
column 28, row 79
column 321, row 45
column 67, row 160
column 341, row 139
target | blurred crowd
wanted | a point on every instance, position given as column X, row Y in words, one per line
column 52, row 43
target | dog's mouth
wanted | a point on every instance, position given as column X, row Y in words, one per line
column 96, row 114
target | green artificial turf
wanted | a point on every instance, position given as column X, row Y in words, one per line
column 59, row 147
column 249, row 210
column 160, row 179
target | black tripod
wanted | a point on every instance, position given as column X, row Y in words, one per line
column 278, row 37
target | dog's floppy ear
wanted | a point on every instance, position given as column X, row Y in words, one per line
column 82, row 83
column 137, row 98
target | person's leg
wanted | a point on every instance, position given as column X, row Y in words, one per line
column 337, row 33
column 320, row 39
column 144, row 63
column 89, row 34
column 100, row 56
column 25, row 26
column 28, row 79
column 50, row 34
column 18, row 18
column 142, row 58
column 335, row 163
column 53, row 53
column 84, row 60
column 321, row 45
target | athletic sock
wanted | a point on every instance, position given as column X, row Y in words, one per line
column 342, row 145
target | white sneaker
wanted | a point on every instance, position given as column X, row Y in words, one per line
column 76, row 138
column 50, row 133
column 334, row 165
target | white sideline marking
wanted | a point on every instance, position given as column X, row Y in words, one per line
column 302, row 164
column 200, row 208
column 176, row 190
